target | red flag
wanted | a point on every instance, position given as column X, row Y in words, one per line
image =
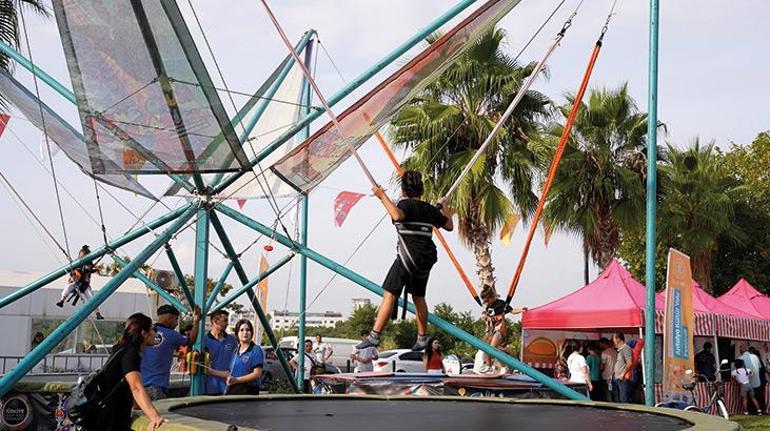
column 343, row 203
column 4, row 119
column 241, row 203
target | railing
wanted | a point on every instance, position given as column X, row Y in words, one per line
column 58, row 363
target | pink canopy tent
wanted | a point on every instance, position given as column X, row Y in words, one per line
column 613, row 300
column 745, row 297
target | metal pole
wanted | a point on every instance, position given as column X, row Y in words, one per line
column 307, row 95
column 228, row 246
column 201, row 282
column 215, row 292
column 250, row 285
column 375, row 288
column 154, row 286
column 352, row 85
column 652, row 157
column 101, row 251
column 60, row 333
column 179, row 275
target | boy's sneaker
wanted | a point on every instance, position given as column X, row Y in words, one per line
column 99, row 316
column 420, row 344
column 60, row 304
column 368, row 342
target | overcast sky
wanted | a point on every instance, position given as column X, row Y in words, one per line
column 714, row 83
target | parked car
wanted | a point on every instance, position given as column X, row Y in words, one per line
column 273, row 371
column 400, row 361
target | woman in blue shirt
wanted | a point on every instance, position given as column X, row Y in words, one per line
column 246, row 367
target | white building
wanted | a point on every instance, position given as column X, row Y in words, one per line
column 284, row 319
column 360, row 302
column 38, row 312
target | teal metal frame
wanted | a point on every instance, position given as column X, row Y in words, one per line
column 652, row 193
column 179, row 275
column 154, row 286
column 253, row 282
column 206, row 212
column 60, row 333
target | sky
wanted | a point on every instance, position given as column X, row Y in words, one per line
column 714, row 83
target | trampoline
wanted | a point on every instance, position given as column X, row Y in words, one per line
column 343, row 412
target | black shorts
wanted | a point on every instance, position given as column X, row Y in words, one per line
column 398, row 278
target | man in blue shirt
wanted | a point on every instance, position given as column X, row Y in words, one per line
column 221, row 348
column 157, row 360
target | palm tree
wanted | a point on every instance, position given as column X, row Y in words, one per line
column 448, row 122
column 599, row 187
column 9, row 26
column 697, row 207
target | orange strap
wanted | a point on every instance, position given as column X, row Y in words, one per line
column 440, row 237
column 552, row 170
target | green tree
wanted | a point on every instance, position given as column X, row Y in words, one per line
column 449, row 120
column 697, row 209
column 599, row 188
column 361, row 318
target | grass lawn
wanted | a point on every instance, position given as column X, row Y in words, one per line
column 752, row 423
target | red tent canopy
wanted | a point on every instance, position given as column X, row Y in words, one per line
column 702, row 302
column 745, row 297
column 613, row 300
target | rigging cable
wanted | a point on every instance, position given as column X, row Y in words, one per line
column 45, row 133
column 578, row 100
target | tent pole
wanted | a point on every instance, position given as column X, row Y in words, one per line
column 307, row 96
column 652, row 157
column 375, row 288
column 201, row 283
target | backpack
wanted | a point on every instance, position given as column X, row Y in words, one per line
column 90, row 396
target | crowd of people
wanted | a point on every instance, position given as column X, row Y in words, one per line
column 611, row 370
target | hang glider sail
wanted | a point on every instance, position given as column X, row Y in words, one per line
column 316, row 158
column 146, row 101
column 60, row 132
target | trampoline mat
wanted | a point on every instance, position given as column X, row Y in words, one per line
column 335, row 415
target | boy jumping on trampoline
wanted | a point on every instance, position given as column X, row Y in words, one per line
column 80, row 283
column 416, row 254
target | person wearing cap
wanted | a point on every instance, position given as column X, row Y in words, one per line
column 157, row 360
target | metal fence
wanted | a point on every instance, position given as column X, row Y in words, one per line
column 59, row 363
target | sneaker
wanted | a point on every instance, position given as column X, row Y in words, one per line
column 368, row 342
column 60, row 304
column 99, row 316
column 420, row 345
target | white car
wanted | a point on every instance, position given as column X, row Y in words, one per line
column 400, row 361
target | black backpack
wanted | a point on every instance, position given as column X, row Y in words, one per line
column 91, row 396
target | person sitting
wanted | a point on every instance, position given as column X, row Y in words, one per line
column 433, row 359
column 157, row 360
column 80, row 282
column 245, row 372
column 414, row 220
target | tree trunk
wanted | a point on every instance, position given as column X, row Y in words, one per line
column 480, row 241
column 701, row 270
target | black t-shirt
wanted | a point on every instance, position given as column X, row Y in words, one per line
column 419, row 211
column 117, row 416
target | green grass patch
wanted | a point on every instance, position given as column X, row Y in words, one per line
column 752, row 423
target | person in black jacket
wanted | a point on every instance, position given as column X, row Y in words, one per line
column 416, row 254
column 122, row 375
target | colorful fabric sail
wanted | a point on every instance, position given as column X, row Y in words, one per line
column 310, row 163
column 261, row 293
column 60, row 132
column 4, row 119
column 343, row 203
column 141, row 85
column 507, row 231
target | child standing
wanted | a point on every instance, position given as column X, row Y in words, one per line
column 416, row 254
column 742, row 375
